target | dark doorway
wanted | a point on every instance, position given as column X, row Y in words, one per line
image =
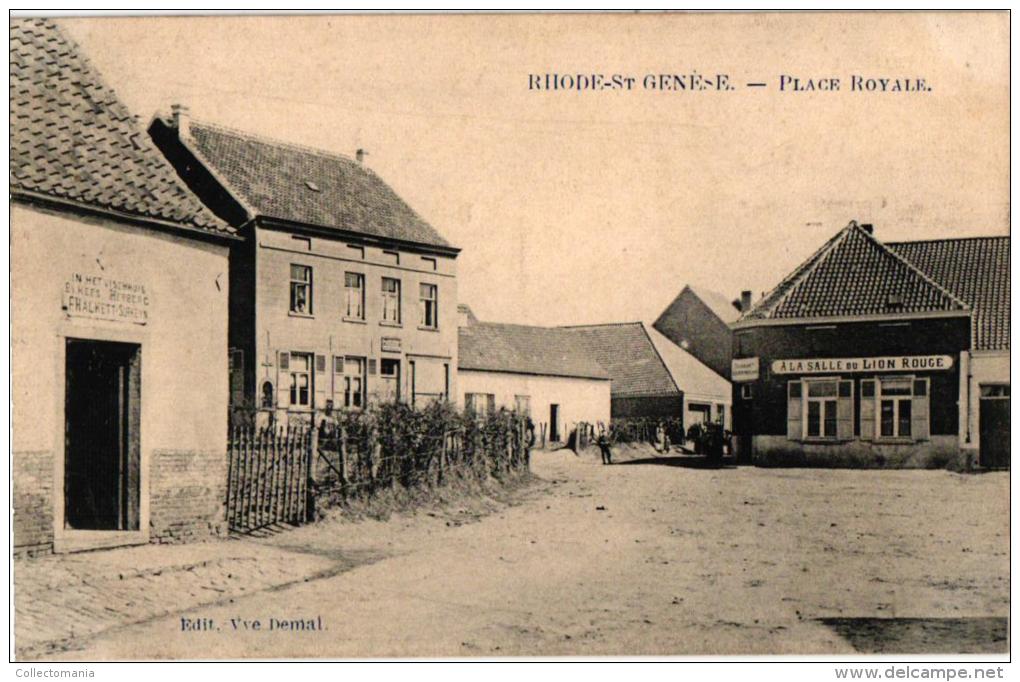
column 101, row 436
column 993, row 425
column 554, row 423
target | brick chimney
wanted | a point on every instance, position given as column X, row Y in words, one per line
column 745, row 301
column 181, row 118
column 869, row 228
column 360, row 155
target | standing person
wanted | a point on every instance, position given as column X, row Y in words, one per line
column 603, row 443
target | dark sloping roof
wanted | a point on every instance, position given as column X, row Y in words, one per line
column 308, row 186
column 73, row 140
column 523, row 349
column 854, row 274
column 976, row 270
column 627, row 353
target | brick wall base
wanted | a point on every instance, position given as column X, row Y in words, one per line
column 33, row 502
column 939, row 452
column 187, row 489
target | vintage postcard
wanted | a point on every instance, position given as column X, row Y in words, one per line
column 500, row 336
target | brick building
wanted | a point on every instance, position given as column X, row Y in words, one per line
column 118, row 318
column 341, row 294
column 879, row 354
column 698, row 321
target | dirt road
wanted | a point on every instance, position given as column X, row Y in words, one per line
column 636, row 559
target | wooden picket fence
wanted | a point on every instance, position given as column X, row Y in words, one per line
column 268, row 476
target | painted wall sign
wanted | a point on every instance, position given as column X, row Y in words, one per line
column 744, row 369
column 890, row 363
column 390, row 344
column 105, row 298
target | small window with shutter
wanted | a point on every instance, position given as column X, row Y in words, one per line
column 794, row 410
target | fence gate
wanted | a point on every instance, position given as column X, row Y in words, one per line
column 267, row 477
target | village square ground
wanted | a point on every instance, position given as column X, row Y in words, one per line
column 647, row 557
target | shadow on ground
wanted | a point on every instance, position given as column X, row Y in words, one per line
column 685, row 461
column 923, row 635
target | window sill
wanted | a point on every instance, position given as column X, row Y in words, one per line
column 824, row 441
column 395, row 325
column 355, row 320
column 894, row 441
column 304, row 315
column 427, row 329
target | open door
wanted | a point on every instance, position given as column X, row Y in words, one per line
column 101, row 436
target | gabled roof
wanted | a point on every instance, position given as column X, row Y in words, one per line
column 628, row 354
column 975, row 270
column 308, row 186
column 521, row 349
column 716, row 302
column 854, row 274
column 696, row 379
column 72, row 140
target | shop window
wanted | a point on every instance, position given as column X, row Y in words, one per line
column 391, row 300
column 894, row 408
column 429, row 296
column 300, row 379
column 820, row 409
column 301, row 289
column 354, row 296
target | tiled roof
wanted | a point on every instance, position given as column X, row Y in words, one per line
column 627, row 353
column 73, row 140
column 854, row 274
column 522, row 349
column 976, row 270
column 308, row 186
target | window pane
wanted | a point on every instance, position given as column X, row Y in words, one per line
column 830, row 418
column 389, row 285
column 795, row 389
column 896, row 387
column 920, row 387
column 904, row 421
column 428, row 291
column 300, row 273
column 868, row 389
column 888, row 415
column 814, row 425
column 353, row 280
column 822, row 389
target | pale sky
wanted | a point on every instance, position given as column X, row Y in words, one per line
column 599, row 206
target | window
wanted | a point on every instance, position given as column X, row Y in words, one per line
column 389, row 380
column 820, row 409
column 747, row 391
column 480, row 403
column 895, row 408
column 429, row 306
column 354, row 296
column 522, row 405
column 301, row 289
column 354, row 381
column 994, row 390
column 720, row 412
column 300, row 380
column 391, row 300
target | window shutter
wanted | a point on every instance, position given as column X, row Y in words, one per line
column 338, row 381
column 867, row 409
column 919, row 418
column 845, row 411
column 321, row 382
column 371, row 367
column 283, row 380
column 490, row 403
column 794, row 411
